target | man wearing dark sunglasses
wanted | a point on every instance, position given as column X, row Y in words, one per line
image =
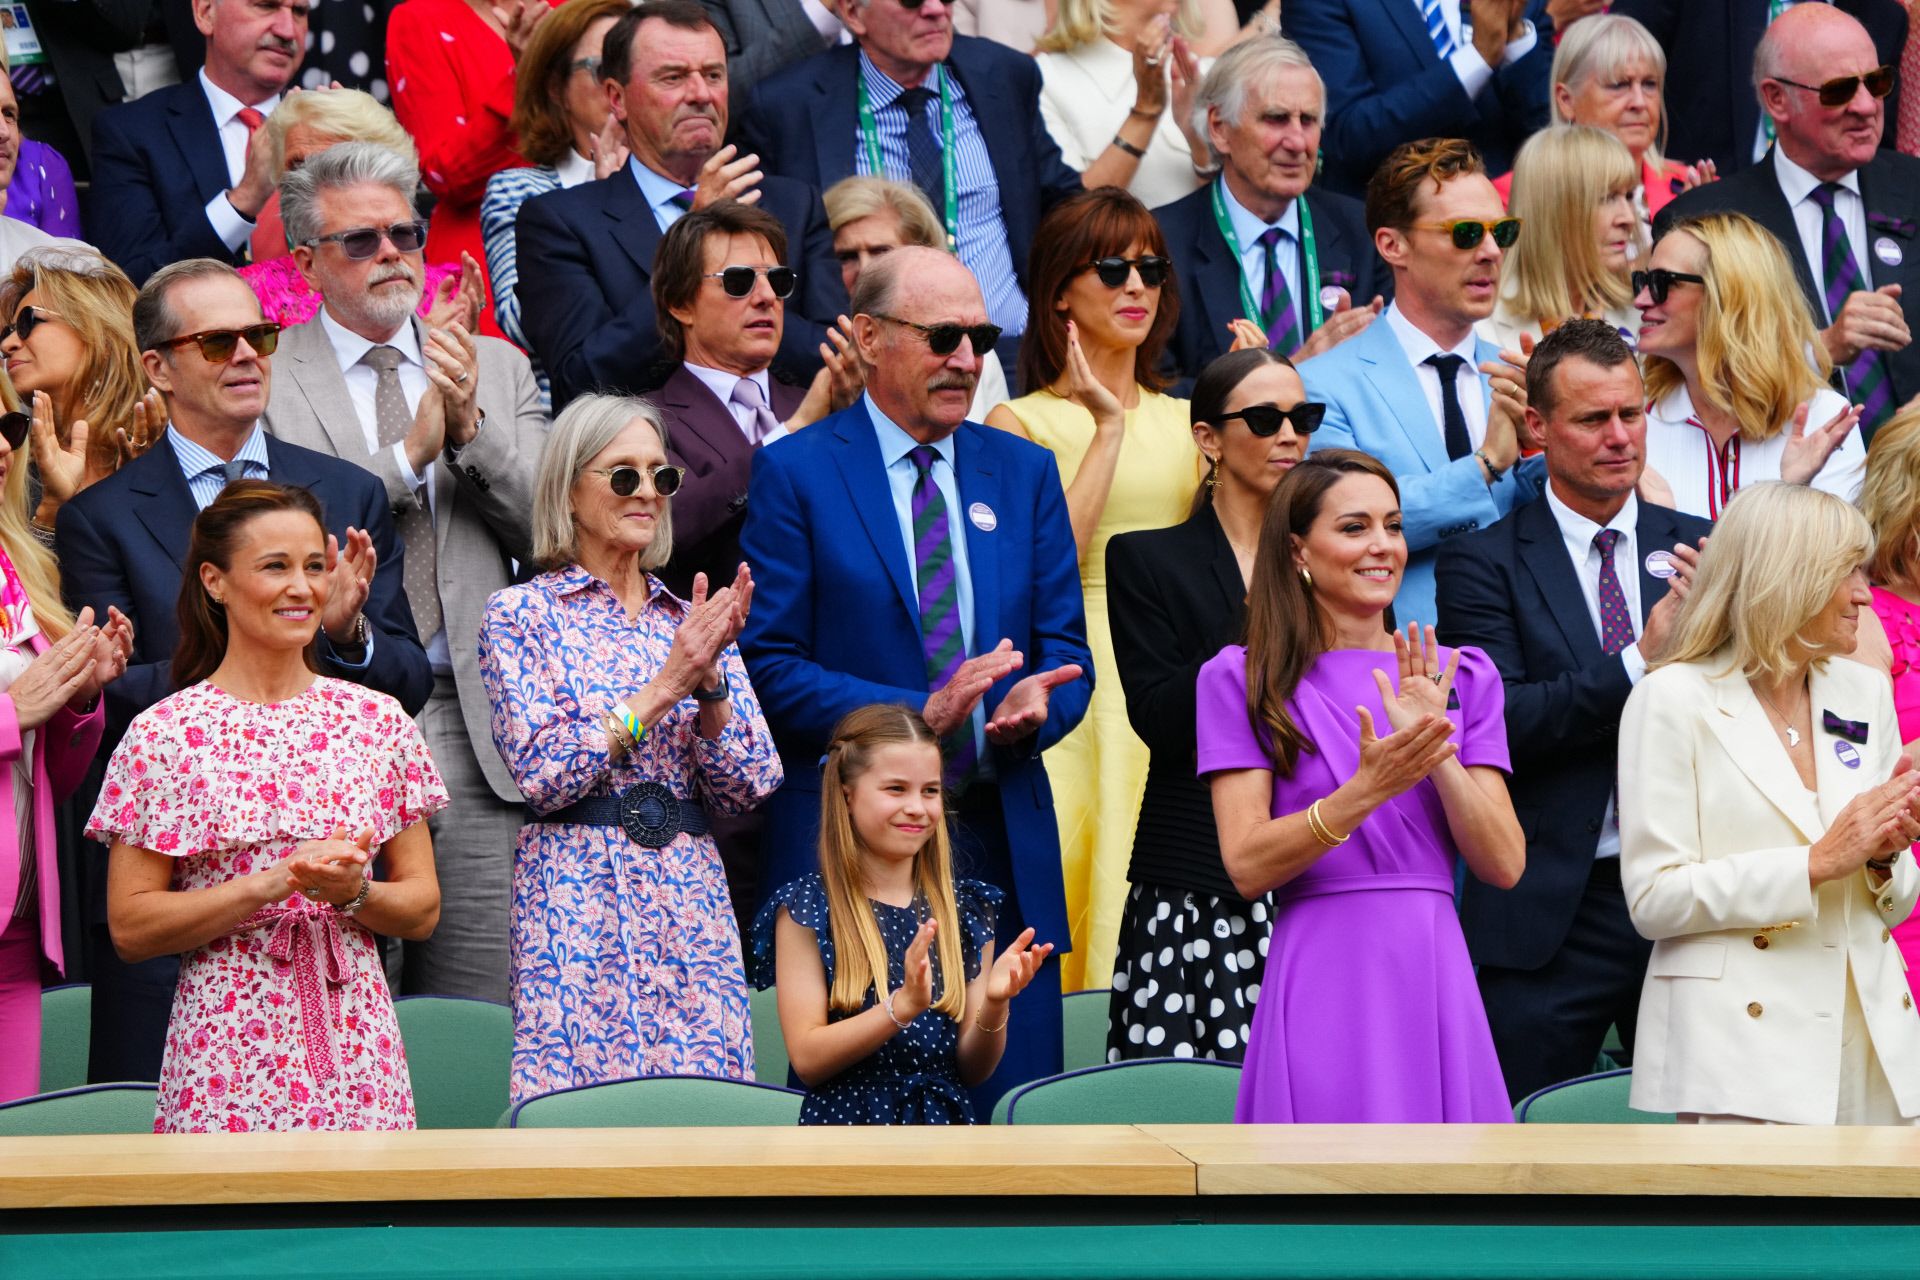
column 588, row 254
column 121, row 542
column 450, row 425
column 1418, row 389
column 1846, row 210
column 903, row 554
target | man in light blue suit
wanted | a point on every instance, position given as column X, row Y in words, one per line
column 1417, row 389
column 904, row 555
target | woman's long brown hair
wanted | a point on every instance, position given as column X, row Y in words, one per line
column 1285, row 629
column 216, row 532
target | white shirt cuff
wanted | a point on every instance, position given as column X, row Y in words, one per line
column 227, row 223
column 1518, row 49
column 1470, row 69
column 407, row 473
column 1634, row 661
column 778, row 433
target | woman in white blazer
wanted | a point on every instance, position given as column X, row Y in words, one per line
column 1765, row 810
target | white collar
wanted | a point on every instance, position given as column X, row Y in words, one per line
column 1796, row 184
column 722, row 383
column 349, row 348
column 573, row 169
column 1419, row 346
column 895, row 443
column 1579, row 530
column 1248, row 226
column 226, row 106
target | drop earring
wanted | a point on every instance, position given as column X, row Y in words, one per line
column 1306, row 577
column 1213, row 475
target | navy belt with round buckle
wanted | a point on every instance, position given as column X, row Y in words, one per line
column 647, row 811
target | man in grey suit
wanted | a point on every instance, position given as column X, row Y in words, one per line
column 451, row 424
column 762, row 36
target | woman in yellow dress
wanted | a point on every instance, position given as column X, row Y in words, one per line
column 1103, row 303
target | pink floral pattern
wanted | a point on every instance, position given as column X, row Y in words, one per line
column 625, row 960
column 286, row 1022
column 288, row 300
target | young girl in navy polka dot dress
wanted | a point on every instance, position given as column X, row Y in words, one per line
column 885, row 898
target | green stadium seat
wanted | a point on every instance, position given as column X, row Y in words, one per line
column 66, row 1031
column 1594, row 1099
column 1139, row 1091
column 459, row 1053
column 93, row 1108
column 660, row 1102
column 769, row 1046
column 1083, row 1025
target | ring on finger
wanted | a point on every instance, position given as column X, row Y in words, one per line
column 1436, row 677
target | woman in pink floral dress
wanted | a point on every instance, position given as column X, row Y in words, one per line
column 626, row 717
column 245, row 812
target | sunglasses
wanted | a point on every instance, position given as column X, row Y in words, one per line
column 29, row 319
column 944, row 339
column 13, row 428
column 1113, row 272
column 1467, row 233
column 1264, row 420
column 738, row 281
column 218, row 345
column 361, row 243
column 1659, row 282
column 625, row 481
column 1839, row 91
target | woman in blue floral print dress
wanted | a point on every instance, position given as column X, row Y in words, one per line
column 626, row 718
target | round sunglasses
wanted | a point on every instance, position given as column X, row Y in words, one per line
column 1467, row 233
column 28, row 319
column 738, row 281
column 1659, row 282
column 1113, row 272
column 944, row 339
column 625, row 480
column 1264, row 420
column 218, row 345
column 361, row 243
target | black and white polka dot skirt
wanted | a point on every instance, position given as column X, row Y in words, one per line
column 1186, row 975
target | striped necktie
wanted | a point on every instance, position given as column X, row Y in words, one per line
column 1276, row 300
column 1840, row 275
column 938, row 582
column 1437, row 28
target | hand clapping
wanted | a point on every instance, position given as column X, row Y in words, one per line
column 712, row 623
column 1016, row 967
column 1419, row 743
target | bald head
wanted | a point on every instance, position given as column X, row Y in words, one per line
column 925, row 392
column 1810, row 45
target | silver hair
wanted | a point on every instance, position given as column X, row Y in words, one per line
column 347, row 164
column 154, row 319
column 583, row 429
column 1604, row 45
column 1235, row 72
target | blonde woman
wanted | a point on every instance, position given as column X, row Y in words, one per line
column 1573, row 190
column 1736, row 379
column 1764, row 829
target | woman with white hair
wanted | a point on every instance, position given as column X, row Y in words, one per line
column 1764, row 827
column 626, row 717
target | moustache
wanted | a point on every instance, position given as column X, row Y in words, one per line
column 399, row 271
column 954, row 382
column 280, row 44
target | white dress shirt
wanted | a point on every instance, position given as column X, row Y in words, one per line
column 233, row 229
column 1467, row 382
column 1247, row 229
column 1468, row 66
column 722, row 383
column 1679, row 449
column 1798, row 186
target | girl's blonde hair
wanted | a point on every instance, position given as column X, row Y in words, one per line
column 1890, row 499
column 1777, row 555
column 1561, row 177
column 1757, row 349
column 1081, row 22
column 1605, row 45
column 95, row 299
column 860, row 954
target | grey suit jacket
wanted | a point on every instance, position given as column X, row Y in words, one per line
column 762, row 36
column 484, row 504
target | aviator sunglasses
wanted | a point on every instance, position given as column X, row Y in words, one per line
column 1113, row 271
column 29, row 319
column 218, row 345
column 1467, row 233
column 1659, row 282
column 625, row 480
column 738, row 281
column 1839, row 91
column 944, row 339
column 1264, row 420
column 361, row 243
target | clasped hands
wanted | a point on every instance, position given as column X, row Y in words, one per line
column 1019, row 715
column 1874, row 824
column 332, row 870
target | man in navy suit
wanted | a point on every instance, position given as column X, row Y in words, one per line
column 1570, row 596
column 941, row 109
column 587, row 255
column 1398, row 70
column 176, row 174
column 122, row 542
column 839, row 608
column 1241, row 241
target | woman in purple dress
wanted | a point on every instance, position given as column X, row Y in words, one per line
column 1368, row 1012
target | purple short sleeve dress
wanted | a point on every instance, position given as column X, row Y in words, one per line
column 1369, row 1011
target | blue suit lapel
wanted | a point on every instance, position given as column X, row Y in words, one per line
column 1544, row 552
column 190, row 120
column 979, row 486
column 638, row 230
column 872, row 497
column 1219, row 278
column 1404, row 16
column 163, row 503
column 1384, row 362
column 835, row 114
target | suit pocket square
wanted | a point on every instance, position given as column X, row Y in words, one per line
column 1903, row 227
column 1340, row 279
column 1851, row 730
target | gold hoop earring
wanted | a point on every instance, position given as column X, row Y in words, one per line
column 1306, row 577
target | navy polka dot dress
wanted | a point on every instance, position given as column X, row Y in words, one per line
column 914, row 1078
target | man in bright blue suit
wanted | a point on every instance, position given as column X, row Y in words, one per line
column 1417, row 389
column 849, row 609
column 1397, row 70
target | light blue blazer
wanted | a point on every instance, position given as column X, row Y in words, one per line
column 1375, row 404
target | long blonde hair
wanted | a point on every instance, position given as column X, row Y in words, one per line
column 1777, row 555
column 1757, row 349
column 1561, row 177
column 33, row 564
column 1890, row 499
column 860, row 954
column 1081, row 22
column 95, row 299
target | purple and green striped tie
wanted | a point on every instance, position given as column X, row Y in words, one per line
column 1867, row 384
column 938, row 580
column 1276, row 300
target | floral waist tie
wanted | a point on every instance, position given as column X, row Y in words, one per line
column 312, row 942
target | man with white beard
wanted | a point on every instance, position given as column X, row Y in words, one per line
column 450, row 422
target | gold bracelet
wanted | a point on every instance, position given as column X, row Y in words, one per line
column 1321, row 831
column 619, row 741
column 994, row 1030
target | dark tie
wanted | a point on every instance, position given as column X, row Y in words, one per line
column 939, row 593
column 923, row 147
column 1840, row 275
column 234, row 470
column 391, row 422
column 683, row 199
column 1616, row 620
column 1459, row 444
column 1276, row 301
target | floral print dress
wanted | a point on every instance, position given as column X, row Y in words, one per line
column 285, row 1022
column 625, row 960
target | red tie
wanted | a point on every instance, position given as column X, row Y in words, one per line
column 250, row 118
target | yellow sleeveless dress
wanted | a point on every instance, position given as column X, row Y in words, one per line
column 1099, row 771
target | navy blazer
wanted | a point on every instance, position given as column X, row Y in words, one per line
column 1511, row 590
column 156, row 163
column 1386, row 84
column 1711, row 111
column 586, row 284
column 1890, row 189
column 123, row 542
column 1210, row 278
column 836, row 623
column 804, row 122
